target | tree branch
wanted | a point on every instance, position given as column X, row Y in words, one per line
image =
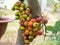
column 35, row 8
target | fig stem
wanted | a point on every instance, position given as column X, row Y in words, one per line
column 45, row 31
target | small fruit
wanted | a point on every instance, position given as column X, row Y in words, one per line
column 31, row 33
column 45, row 21
column 26, row 32
column 25, row 38
column 21, row 23
column 30, row 15
column 16, row 8
column 28, row 18
column 28, row 9
column 29, row 28
column 17, row 4
column 23, row 12
column 33, row 20
column 21, row 16
column 17, row 17
column 35, row 24
column 27, row 12
column 30, row 24
column 22, row 19
column 21, row 8
column 17, row 14
column 31, row 37
column 22, row 28
column 35, row 29
column 26, row 23
column 27, row 42
column 13, row 8
column 34, row 34
column 30, row 40
column 39, row 19
column 39, row 32
column 24, row 15
column 22, row 5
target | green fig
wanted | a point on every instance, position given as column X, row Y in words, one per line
column 27, row 41
column 22, row 5
column 16, row 8
column 18, row 13
column 24, row 15
column 23, row 12
column 17, row 3
column 35, row 29
column 28, row 18
column 17, row 17
column 22, row 28
column 35, row 24
column 21, row 8
column 26, row 7
column 13, row 8
column 31, row 38
column 22, row 19
column 31, row 33
column 25, row 38
column 30, row 15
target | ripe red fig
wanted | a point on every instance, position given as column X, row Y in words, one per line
column 38, row 19
column 21, row 23
column 45, row 21
column 39, row 32
column 33, row 20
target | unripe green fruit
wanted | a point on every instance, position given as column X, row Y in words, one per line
column 13, row 8
column 26, row 7
column 22, row 19
column 22, row 5
column 35, row 29
column 35, row 24
column 28, row 18
column 31, row 33
column 31, row 37
column 21, row 8
column 22, row 28
column 17, row 17
column 27, row 42
column 16, row 8
column 18, row 13
column 24, row 15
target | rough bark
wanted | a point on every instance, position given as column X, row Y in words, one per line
column 35, row 8
column 36, row 12
column 20, row 40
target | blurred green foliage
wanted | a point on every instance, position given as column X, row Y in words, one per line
column 55, row 28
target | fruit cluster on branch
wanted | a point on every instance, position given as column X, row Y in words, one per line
column 30, row 26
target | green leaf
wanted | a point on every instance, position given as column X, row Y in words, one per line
column 58, row 38
column 57, row 26
column 50, row 28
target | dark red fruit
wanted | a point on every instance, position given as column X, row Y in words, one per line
column 45, row 21
column 33, row 20
column 38, row 19
column 21, row 23
column 39, row 32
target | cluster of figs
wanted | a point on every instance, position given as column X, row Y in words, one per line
column 30, row 26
